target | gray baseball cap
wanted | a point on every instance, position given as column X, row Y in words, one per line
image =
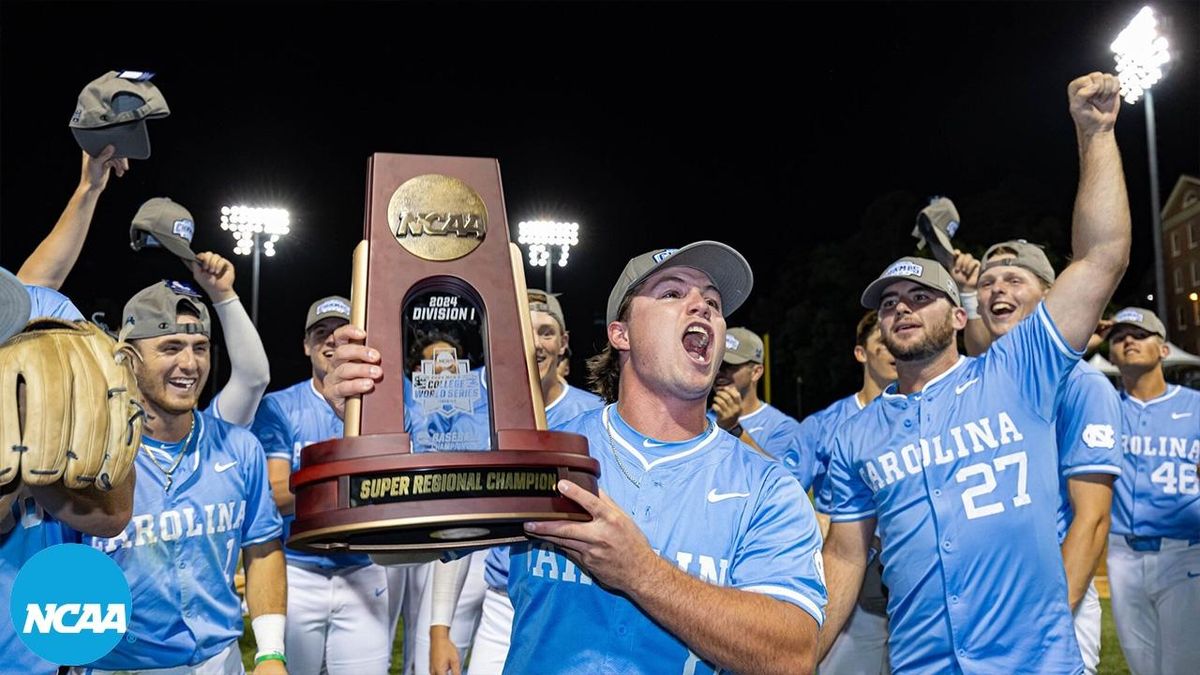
column 924, row 271
column 742, row 346
column 113, row 109
column 161, row 223
column 14, row 305
column 936, row 224
column 1141, row 318
column 154, row 312
column 334, row 306
column 541, row 301
column 1024, row 254
column 727, row 269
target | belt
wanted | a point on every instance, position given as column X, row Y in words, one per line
column 1148, row 544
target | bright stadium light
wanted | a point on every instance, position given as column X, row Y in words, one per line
column 255, row 230
column 1141, row 53
column 541, row 237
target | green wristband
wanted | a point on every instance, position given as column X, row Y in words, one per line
column 270, row 656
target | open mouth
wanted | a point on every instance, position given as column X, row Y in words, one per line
column 1001, row 309
column 181, row 385
column 905, row 328
column 697, row 342
column 327, row 353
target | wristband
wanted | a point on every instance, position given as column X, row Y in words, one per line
column 268, row 633
column 269, row 656
column 970, row 302
column 737, row 430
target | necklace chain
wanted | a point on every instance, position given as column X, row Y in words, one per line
column 612, row 446
column 168, row 471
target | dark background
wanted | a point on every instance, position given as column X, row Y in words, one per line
column 806, row 135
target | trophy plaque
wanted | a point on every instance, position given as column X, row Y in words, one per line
column 450, row 451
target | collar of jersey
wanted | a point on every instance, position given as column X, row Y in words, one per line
column 761, row 407
column 667, row 452
column 313, row 388
column 565, row 388
column 1172, row 389
column 164, row 451
column 890, row 393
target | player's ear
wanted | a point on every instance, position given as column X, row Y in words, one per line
column 860, row 354
column 959, row 318
column 566, row 341
column 618, row 335
column 756, row 372
column 1163, row 349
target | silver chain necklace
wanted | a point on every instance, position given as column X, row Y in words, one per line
column 617, row 456
column 167, row 471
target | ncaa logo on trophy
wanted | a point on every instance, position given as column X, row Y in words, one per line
column 451, row 450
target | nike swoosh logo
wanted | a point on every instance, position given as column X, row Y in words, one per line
column 714, row 496
column 1179, row 416
column 379, row 591
column 754, row 429
column 964, row 386
column 1193, row 576
column 221, row 468
column 651, row 444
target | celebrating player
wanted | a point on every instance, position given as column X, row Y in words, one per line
column 957, row 461
column 736, row 404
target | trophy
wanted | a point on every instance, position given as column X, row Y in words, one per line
column 451, row 450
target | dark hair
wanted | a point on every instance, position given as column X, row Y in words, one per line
column 866, row 326
column 604, row 369
column 425, row 338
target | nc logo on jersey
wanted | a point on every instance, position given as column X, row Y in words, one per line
column 1099, row 436
column 70, row 604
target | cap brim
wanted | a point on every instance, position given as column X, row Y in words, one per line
column 727, row 269
column 940, row 246
column 131, row 140
column 874, row 293
column 1138, row 326
column 177, row 247
column 14, row 305
column 321, row 317
column 735, row 360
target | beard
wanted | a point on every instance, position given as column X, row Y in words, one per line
column 938, row 336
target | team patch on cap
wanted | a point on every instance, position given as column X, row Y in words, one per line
column 1129, row 315
column 904, row 269
column 182, row 288
column 333, row 306
column 663, row 255
column 184, row 228
column 731, row 342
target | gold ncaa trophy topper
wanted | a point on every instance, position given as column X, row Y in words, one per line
column 451, row 449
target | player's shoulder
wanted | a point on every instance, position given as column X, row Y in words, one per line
column 584, row 422
column 584, row 397
column 291, row 396
column 1186, row 396
column 1084, row 377
column 217, row 433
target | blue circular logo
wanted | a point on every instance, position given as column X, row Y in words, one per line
column 70, row 604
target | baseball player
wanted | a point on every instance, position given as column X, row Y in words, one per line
column 956, row 462
column 475, row 594
column 862, row 645
column 337, row 604
column 1016, row 276
column 736, row 404
column 1154, row 547
column 701, row 553
column 202, row 496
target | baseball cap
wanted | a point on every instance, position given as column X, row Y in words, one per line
column 541, row 301
column 742, row 346
column 161, row 223
column 936, row 224
column 1024, row 254
column 14, row 305
column 1141, row 318
column 922, row 271
column 154, row 311
column 331, row 306
column 727, row 269
column 113, row 109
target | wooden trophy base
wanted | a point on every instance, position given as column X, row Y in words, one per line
column 369, row 494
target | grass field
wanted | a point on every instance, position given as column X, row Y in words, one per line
column 1112, row 662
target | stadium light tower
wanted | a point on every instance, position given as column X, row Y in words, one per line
column 255, row 230
column 541, row 236
column 1141, row 53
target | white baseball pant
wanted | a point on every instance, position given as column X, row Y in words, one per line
column 1156, row 605
column 489, row 649
column 337, row 621
column 1087, row 629
column 861, row 649
column 466, row 615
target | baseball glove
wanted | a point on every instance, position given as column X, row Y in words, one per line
column 82, row 421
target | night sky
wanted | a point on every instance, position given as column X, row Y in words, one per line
column 773, row 127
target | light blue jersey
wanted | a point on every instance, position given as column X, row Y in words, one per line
column 288, row 421
column 777, row 433
column 571, row 403
column 33, row 529
column 180, row 549
column 1087, row 427
column 712, row 505
column 811, row 463
column 963, row 478
column 1158, row 493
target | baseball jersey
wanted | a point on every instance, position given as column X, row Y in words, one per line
column 571, row 403
column 287, row 421
column 180, row 549
column 811, row 461
column 963, row 478
column 775, row 432
column 33, row 529
column 1087, row 420
column 1158, row 493
column 711, row 505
